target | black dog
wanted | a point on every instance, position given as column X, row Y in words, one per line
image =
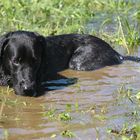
column 27, row 58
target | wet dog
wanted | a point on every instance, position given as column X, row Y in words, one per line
column 27, row 58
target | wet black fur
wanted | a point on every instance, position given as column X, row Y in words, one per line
column 27, row 59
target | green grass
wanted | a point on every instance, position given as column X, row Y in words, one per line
column 44, row 16
column 53, row 115
column 126, row 133
column 131, row 130
column 50, row 17
column 67, row 133
column 71, row 16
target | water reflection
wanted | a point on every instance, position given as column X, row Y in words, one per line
column 100, row 106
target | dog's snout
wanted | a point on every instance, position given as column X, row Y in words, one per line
column 28, row 88
column 23, row 84
column 26, row 85
column 30, row 91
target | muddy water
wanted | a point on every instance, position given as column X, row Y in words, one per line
column 95, row 106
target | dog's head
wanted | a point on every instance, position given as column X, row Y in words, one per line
column 20, row 57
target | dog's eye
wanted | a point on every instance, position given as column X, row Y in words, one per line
column 17, row 61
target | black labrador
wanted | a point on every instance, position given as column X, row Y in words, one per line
column 27, row 58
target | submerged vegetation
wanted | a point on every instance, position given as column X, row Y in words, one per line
column 116, row 21
column 130, row 130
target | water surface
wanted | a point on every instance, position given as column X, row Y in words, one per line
column 95, row 106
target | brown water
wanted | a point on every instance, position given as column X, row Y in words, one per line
column 96, row 106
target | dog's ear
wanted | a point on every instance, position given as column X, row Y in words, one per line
column 42, row 43
column 3, row 44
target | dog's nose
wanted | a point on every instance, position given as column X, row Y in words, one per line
column 27, row 87
column 29, row 91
